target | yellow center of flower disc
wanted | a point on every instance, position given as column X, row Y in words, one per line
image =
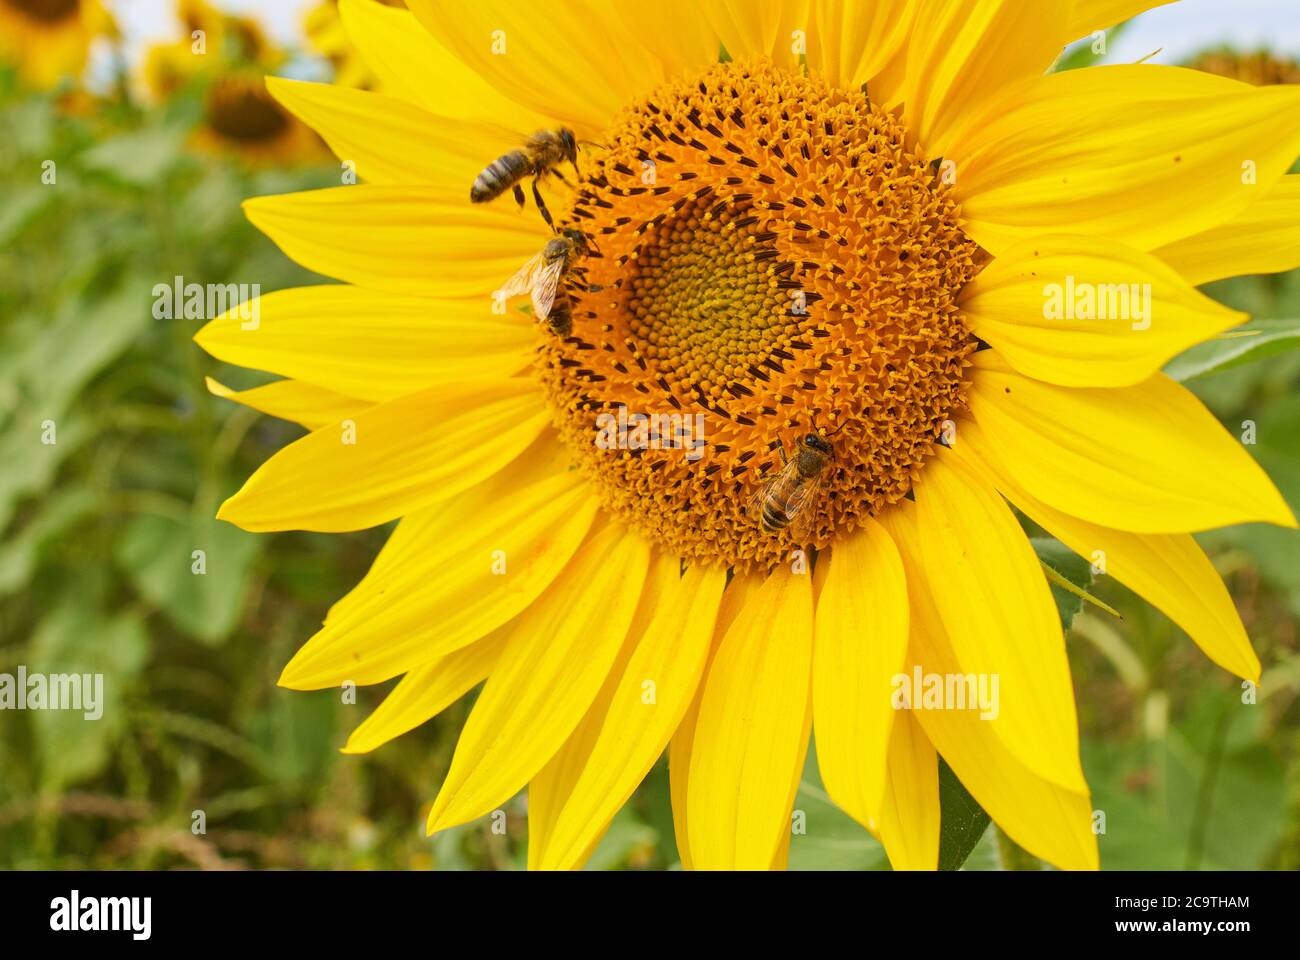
column 242, row 110
column 46, row 11
column 773, row 261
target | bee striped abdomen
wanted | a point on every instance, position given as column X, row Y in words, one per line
column 499, row 176
column 774, row 516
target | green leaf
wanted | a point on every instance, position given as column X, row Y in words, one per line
column 1244, row 344
column 20, row 551
column 962, row 821
column 1070, row 575
column 22, row 203
column 297, row 732
column 158, row 555
column 44, row 373
column 825, row 837
column 139, row 158
column 1080, row 54
column 625, row 843
column 77, row 638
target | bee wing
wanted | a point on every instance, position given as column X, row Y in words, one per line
column 503, row 138
column 797, row 507
column 522, row 281
column 755, row 506
column 545, row 284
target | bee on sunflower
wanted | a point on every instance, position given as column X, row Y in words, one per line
column 228, row 58
column 858, row 248
column 50, row 40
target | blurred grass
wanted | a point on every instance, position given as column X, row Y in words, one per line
column 98, row 530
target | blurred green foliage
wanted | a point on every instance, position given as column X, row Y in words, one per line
column 97, row 531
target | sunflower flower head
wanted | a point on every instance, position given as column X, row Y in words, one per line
column 50, row 40
column 226, row 57
column 904, row 277
column 783, row 270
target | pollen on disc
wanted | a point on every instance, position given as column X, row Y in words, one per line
column 774, row 257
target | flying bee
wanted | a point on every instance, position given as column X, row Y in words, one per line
column 543, row 153
column 784, row 500
column 542, row 276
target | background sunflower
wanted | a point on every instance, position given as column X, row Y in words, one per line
column 50, row 40
column 226, row 58
column 89, row 526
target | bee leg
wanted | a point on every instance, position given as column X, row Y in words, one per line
column 554, row 171
column 780, row 448
column 541, row 204
column 519, row 196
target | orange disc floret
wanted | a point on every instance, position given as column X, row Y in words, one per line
column 771, row 258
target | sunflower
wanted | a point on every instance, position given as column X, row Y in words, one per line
column 840, row 233
column 228, row 56
column 325, row 33
column 50, row 39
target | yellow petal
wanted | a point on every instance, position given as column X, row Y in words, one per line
column 554, row 663
column 961, row 55
column 682, row 39
column 377, row 346
column 909, row 817
column 391, row 459
column 1148, row 458
column 1263, row 238
column 1092, row 15
column 575, row 62
column 1147, row 153
column 412, row 65
column 425, row 241
column 553, row 784
column 454, row 573
column 304, row 403
column 387, row 140
column 1169, row 570
column 860, row 643
column 741, row 591
column 758, row 29
column 998, row 613
column 1088, row 311
column 517, row 484
column 851, row 43
column 426, row 691
column 1047, row 820
column 647, row 701
column 752, row 729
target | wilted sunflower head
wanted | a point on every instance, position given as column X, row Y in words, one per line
column 853, row 286
column 50, row 40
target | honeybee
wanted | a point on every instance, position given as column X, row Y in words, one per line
column 543, row 153
column 541, row 277
column 784, row 500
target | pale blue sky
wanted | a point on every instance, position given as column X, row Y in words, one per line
column 1181, row 28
